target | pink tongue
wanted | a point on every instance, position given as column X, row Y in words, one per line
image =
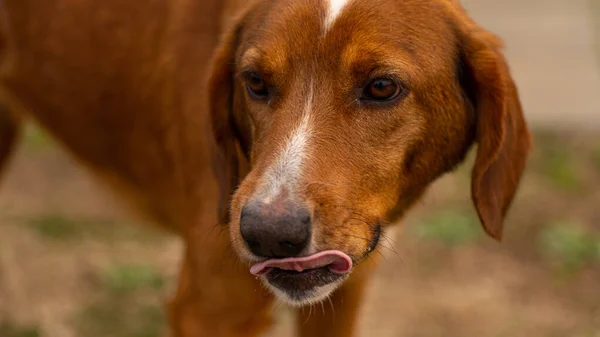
column 337, row 262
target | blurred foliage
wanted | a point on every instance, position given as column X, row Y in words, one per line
column 121, row 317
column 449, row 227
column 569, row 246
column 12, row 330
column 596, row 156
column 132, row 277
column 55, row 226
column 126, row 307
column 60, row 227
column 562, row 173
column 555, row 161
column 36, row 139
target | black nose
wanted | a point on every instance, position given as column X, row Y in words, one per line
column 275, row 230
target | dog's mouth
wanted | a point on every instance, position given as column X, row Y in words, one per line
column 302, row 279
column 335, row 261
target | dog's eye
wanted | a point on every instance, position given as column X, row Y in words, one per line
column 256, row 86
column 381, row 89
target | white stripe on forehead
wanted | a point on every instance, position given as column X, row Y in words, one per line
column 335, row 8
column 289, row 162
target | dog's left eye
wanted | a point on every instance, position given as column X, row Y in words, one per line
column 256, row 86
column 382, row 89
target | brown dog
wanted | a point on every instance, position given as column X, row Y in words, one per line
column 322, row 120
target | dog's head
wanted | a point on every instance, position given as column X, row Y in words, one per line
column 342, row 113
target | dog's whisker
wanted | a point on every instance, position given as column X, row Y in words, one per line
column 371, row 259
column 392, row 244
column 356, row 100
column 356, row 237
column 277, row 304
column 363, row 221
column 381, row 254
column 332, row 306
column 323, row 308
column 208, row 233
column 388, row 238
column 309, row 314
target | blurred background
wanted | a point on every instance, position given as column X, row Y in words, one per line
column 72, row 263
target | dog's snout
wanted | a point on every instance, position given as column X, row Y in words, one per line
column 276, row 230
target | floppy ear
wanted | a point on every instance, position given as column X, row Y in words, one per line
column 226, row 159
column 502, row 135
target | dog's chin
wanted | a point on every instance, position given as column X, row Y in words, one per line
column 302, row 288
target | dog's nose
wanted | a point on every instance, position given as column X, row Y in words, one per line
column 276, row 230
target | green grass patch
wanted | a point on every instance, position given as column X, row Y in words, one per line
column 12, row 330
column 55, row 226
column 556, row 162
column 569, row 247
column 129, row 278
column 34, row 138
column 128, row 305
column 60, row 227
column 121, row 317
column 561, row 172
column 448, row 227
column 596, row 156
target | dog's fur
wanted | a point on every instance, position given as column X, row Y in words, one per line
column 148, row 98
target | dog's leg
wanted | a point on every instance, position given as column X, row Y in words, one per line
column 337, row 317
column 217, row 296
column 10, row 131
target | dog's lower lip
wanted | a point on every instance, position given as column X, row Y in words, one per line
column 299, row 285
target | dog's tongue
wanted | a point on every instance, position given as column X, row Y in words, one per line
column 337, row 262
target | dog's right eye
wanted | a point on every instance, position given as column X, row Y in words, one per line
column 382, row 89
column 256, row 86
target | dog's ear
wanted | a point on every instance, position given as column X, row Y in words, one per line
column 226, row 156
column 501, row 132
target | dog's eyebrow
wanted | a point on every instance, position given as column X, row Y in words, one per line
column 250, row 57
column 379, row 52
column 365, row 67
column 249, row 61
column 379, row 59
column 265, row 61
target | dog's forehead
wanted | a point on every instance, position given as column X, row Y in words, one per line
column 294, row 30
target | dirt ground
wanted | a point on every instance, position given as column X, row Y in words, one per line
column 70, row 258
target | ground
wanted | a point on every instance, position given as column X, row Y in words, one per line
column 70, row 259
